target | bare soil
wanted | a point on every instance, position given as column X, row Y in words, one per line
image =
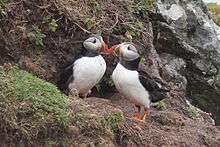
column 170, row 127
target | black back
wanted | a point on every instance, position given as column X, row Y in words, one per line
column 152, row 86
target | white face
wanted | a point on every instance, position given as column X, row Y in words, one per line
column 93, row 44
column 128, row 51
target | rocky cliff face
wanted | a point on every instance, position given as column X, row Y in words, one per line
column 186, row 37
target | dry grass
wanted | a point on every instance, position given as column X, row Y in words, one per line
column 98, row 16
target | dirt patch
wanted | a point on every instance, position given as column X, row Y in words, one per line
column 170, row 127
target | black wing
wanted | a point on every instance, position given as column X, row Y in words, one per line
column 65, row 76
column 157, row 93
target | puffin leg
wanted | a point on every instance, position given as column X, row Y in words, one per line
column 86, row 94
column 146, row 114
column 74, row 92
column 137, row 116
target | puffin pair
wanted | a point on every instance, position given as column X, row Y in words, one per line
column 135, row 85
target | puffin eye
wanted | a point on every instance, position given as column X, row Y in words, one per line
column 129, row 48
column 94, row 41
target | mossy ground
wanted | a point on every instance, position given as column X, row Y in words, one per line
column 32, row 109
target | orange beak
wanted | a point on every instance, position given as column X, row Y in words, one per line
column 105, row 48
column 109, row 51
column 112, row 50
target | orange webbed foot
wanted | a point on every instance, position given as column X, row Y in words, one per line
column 146, row 115
column 137, row 117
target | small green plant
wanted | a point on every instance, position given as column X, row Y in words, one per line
column 161, row 106
column 193, row 113
column 4, row 2
column 114, row 120
column 53, row 25
column 110, row 82
column 46, row 19
column 142, row 61
column 90, row 23
column 135, row 28
column 143, row 5
column 36, row 35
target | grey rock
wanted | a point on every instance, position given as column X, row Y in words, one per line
column 188, row 42
column 173, row 66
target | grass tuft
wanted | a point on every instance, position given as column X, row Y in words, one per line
column 193, row 113
column 161, row 106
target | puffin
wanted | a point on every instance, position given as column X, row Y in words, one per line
column 136, row 85
column 83, row 74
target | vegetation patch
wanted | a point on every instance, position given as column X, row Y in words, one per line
column 37, row 36
column 161, row 106
column 4, row 2
column 95, row 127
column 193, row 113
column 214, row 8
column 30, row 108
column 114, row 120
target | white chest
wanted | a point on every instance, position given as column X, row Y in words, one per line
column 88, row 71
column 128, row 84
column 124, row 78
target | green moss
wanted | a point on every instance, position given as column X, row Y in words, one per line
column 90, row 23
column 114, row 120
column 193, row 112
column 142, row 5
column 4, row 2
column 91, row 125
column 161, row 105
column 135, row 28
column 30, row 105
column 95, row 126
column 2, row 6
